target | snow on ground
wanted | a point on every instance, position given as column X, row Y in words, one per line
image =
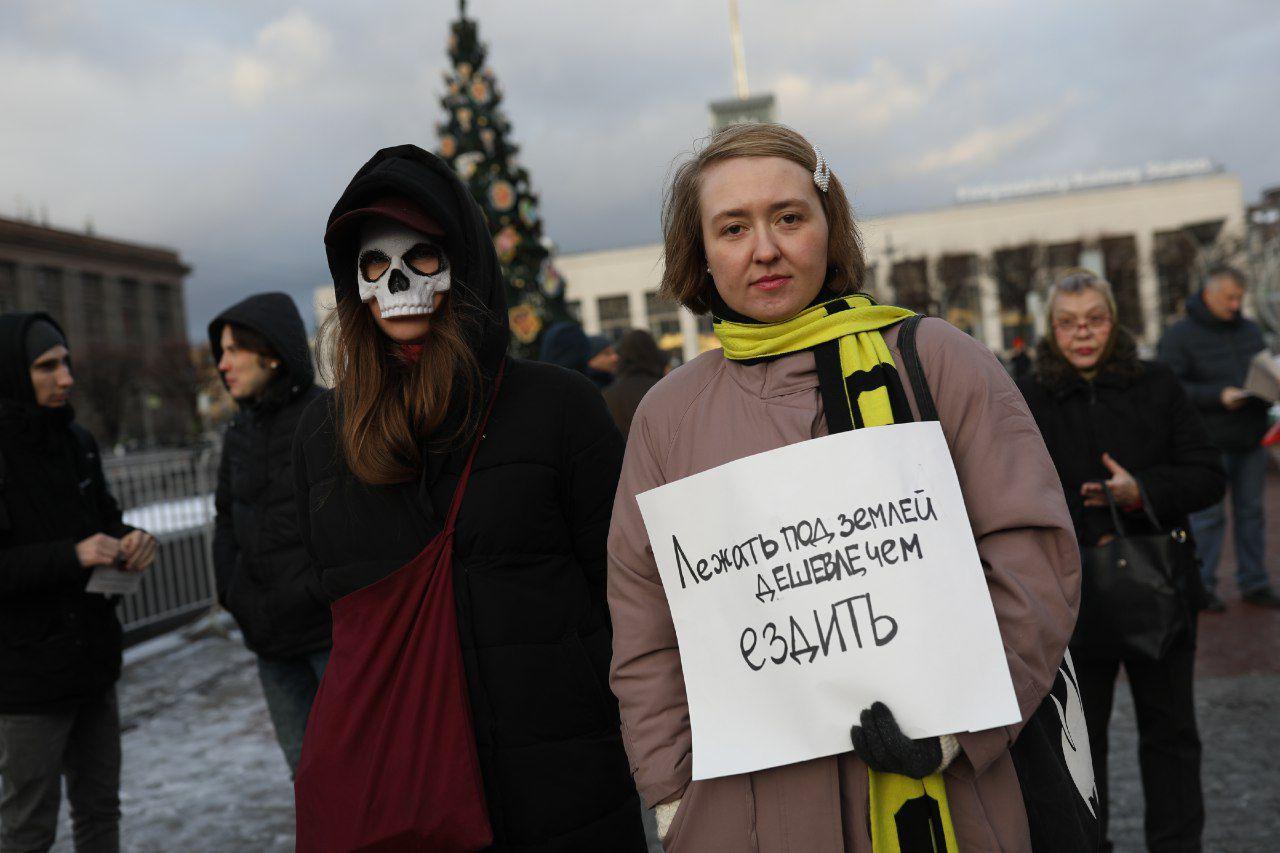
column 172, row 516
column 202, row 771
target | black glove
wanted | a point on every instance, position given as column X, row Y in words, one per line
column 882, row 745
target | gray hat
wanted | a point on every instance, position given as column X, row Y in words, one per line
column 41, row 337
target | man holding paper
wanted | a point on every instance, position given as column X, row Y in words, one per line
column 759, row 233
column 1210, row 350
column 60, row 645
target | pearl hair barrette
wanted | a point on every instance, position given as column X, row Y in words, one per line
column 821, row 172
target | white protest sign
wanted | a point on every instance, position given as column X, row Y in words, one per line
column 109, row 581
column 810, row 581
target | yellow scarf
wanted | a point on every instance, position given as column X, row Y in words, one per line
column 860, row 387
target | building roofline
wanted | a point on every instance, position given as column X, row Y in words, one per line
column 29, row 235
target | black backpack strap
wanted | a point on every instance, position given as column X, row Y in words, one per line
column 911, row 361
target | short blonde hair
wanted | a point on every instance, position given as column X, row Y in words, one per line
column 1077, row 280
column 685, row 278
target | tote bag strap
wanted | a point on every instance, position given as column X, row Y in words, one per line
column 1115, row 510
column 461, row 488
column 911, row 361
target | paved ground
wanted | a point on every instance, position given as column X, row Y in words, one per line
column 202, row 771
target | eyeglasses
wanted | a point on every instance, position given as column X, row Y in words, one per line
column 1094, row 323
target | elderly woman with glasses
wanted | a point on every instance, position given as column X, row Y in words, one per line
column 1113, row 422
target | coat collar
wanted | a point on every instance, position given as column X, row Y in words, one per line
column 788, row 374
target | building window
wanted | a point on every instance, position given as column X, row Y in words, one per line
column 129, row 308
column 1175, row 260
column 911, row 285
column 1120, row 261
column 959, row 291
column 664, row 322
column 615, row 315
column 8, row 286
column 93, row 304
column 1016, row 271
column 162, row 296
column 49, row 294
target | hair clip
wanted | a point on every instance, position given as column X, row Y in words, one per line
column 821, row 172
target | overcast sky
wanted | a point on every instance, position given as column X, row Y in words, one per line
column 227, row 128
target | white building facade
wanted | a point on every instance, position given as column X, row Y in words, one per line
column 982, row 265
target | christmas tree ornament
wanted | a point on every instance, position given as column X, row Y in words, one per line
column 502, row 196
column 448, row 146
column 465, row 164
column 505, row 242
column 525, row 323
column 464, row 118
column 480, row 91
column 528, row 212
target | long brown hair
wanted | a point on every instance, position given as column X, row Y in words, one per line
column 388, row 406
column 685, row 278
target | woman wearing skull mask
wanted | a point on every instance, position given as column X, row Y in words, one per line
column 456, row 503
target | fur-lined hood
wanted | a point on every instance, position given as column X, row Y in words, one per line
column 1119, row 368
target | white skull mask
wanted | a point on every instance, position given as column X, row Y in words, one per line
column 402, row 268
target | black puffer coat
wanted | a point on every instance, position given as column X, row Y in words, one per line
column 265, row 577
column 1209, row 354
column 59, row 645
column 529, row 554
column 640, row 365
column 1138, row 412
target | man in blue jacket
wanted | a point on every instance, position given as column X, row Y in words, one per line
column 1210, row 350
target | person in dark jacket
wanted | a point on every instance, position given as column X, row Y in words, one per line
column 265, row 578
column 602, row 360
column 59, row 645
column 1210, row 350
column 376, row 463
column 640, row 365
column 1108, row 417
column 565, row 344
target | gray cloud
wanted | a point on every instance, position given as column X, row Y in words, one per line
column 227, row 129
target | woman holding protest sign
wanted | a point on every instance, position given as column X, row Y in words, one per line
column 1134, row 460
column 455, row 503
column 758, row 232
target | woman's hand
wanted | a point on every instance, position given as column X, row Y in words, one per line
column 1122, row 485
column 882, row 746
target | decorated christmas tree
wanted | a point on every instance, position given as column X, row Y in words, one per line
column 475, row 139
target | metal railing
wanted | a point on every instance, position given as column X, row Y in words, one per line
column 170, row 495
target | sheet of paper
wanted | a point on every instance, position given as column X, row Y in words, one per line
column 1263, row 379
column 810, row 581
column 113, row 581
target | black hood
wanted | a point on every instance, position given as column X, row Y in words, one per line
column 408, row 172
column 1198, row 311
column 639, row 355
column 15, row 376
column 565, row 345
column 276, row 318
